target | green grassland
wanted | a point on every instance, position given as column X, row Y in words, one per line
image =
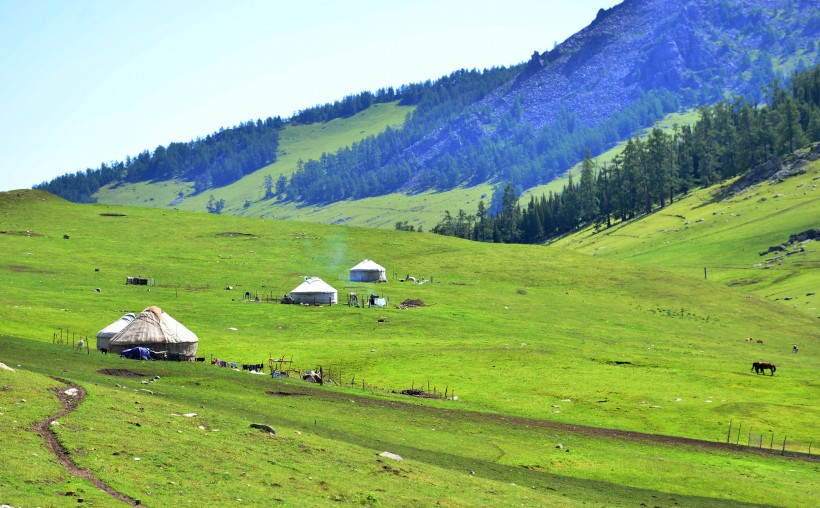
column 528, row 337
column 728, row 236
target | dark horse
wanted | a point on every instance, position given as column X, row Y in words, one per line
column 759, row 367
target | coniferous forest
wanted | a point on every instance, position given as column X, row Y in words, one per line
column 730, row 138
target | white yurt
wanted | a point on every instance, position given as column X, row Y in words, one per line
column 105, row 335
column 314, row 290
column 368, row 271
column 158, row 331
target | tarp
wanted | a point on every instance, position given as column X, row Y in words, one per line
column 137, row 353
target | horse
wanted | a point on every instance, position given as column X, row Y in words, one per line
column 761, row 367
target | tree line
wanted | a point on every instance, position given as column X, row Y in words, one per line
column 729, row 138
column 215, row 161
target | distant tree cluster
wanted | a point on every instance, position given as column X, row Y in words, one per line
column 730, row 138
column 344, row 108
column 218, row 160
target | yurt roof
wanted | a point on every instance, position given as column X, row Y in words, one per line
column 115, row 327
column 153, row 326
column 314, row 285
column 369, row 266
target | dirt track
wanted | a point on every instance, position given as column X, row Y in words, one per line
column 545, row 424
column 69, row 403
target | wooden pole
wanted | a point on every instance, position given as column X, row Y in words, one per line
column 738, row 433
column 749, row 440
column 783, row 451
column 729, row 434
column 771, row 444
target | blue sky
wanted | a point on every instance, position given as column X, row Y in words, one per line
column 82, row 82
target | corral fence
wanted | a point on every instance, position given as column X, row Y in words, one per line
column 72, row 339
column 768, row 441
column 335, row 375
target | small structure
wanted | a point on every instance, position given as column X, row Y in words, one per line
column 105, row 335
column 314, row 291
column 156, row 330
column 137, row 281
column 368, row 271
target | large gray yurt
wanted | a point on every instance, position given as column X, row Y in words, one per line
column 105, row 335
column 314, row 290
column 158, row 331
column 368, row 271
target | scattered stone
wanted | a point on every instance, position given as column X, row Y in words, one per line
column 3, row 366
column 55, row 423
column 389, row 455
column 189, row 415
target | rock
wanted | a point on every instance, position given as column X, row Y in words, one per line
column 263, row 427
column 3, row 366
column 189, row 415
column 389, row 455
column 71, row 392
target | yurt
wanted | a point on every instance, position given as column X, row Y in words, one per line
column 105, row 335
column 368, row 271
column 314, row 290
column 158, row 331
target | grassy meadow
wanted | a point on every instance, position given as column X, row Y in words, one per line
column 536, row 342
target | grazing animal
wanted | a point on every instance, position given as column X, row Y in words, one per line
column 761, row 367
column 759, row 341
column 795, row 348
column 104, row 350
column 754, row 366
column 80, row 344
column 247, row 295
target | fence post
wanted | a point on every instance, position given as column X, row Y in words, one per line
column 771, row 444
column 738, row 433
column 729, row 434
column 783, row 451
column 749, row 440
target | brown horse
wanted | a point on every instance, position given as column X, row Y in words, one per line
column 761, row 367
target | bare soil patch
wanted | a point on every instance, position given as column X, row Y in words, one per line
column 122, row 373
column 286, row 394
column 20, row 233
column 233, row 234
column 112, row 215
column 409, row 304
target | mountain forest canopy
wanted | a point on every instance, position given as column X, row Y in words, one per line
column 526, row 124
column 730, row 138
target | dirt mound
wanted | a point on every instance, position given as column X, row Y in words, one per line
column 233, row 234
column 407, row 304
column 122, row 373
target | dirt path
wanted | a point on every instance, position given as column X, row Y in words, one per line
column 456, row 414
column 70, row 403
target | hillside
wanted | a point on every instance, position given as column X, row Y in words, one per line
column 542, row 346
column 529, row 124
column 739, row 234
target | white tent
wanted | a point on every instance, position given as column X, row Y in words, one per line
column 314, row 290
column 105, row 335
column 158, row 331
column 368, row 271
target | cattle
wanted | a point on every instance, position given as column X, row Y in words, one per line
column 795, row 348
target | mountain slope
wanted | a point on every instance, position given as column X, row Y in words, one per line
column 738, row 234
